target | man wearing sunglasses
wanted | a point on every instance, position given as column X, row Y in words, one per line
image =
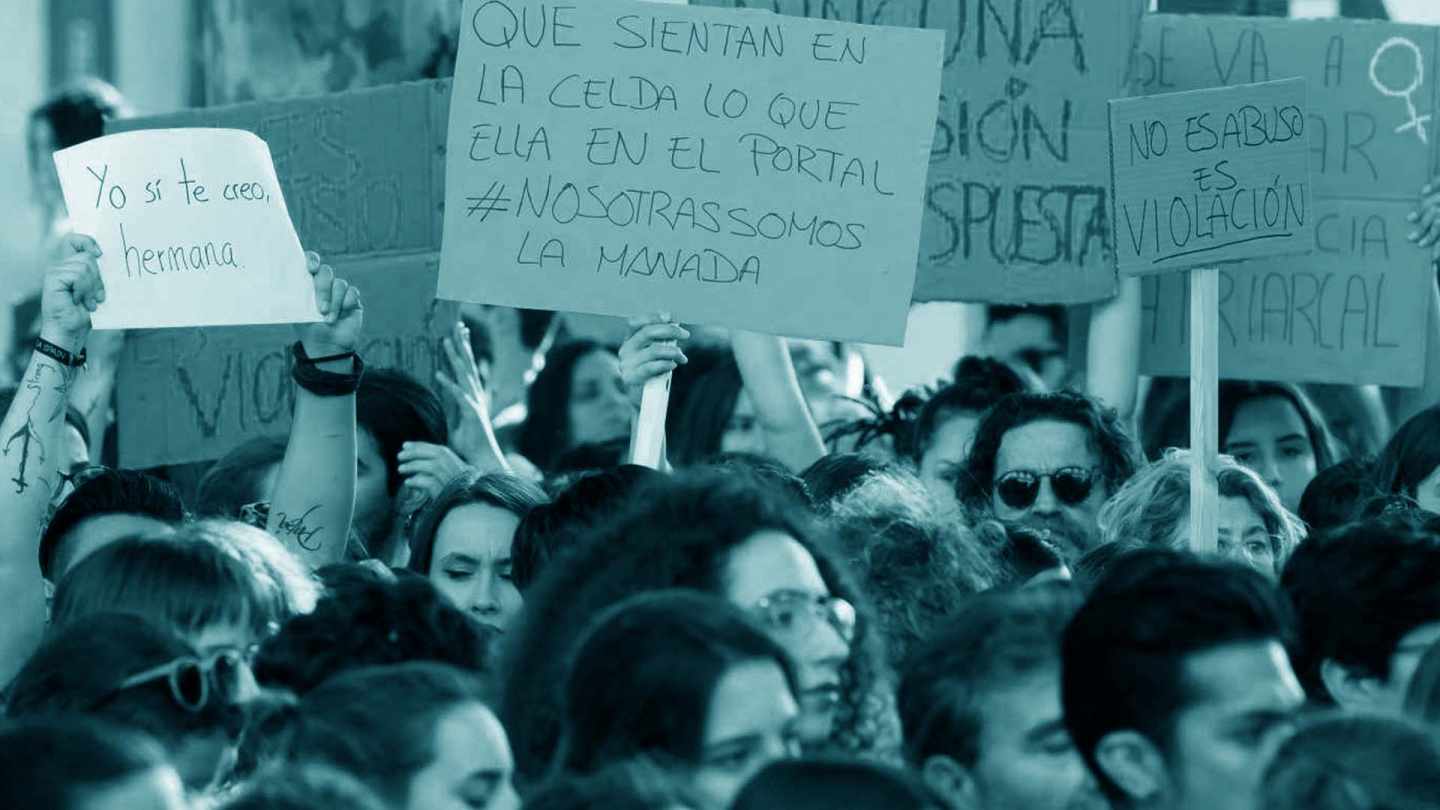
column 1047, row 462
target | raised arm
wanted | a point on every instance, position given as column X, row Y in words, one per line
column 472, row 436
column 30, row 439
column 314, row 498
column 769, row 376
column 1113, row 353
column 652, row 350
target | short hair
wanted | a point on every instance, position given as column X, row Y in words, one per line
column 108, row 492
column 1108, row 438
column 1235, row 393
column 546, row 432
column 290, row 586
column 1155, row 503
column 396, row 408
column 368, row 621
column 1123, row 655
column 1336, row 494
column 824, row 783
column 552, row 528
column 836, row 475
column 378, row 724
column 59, row 762
column 1410, row 455
column 501, row 491
column 994, row 640
column 979, row 383
column 644, row 675
column 79, row 112
column 1358, row 591
column 302, row 787
column 234, row 481
column 1354, row 762
column 73, row 417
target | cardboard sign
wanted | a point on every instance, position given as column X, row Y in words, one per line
column 1017, row 208
column 1210, row 176
column 192, row 226
column 1355, row 310
column 361, row 173
column 735, row 168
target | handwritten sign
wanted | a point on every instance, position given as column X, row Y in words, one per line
column 1354, row 311
column 734, row 168
column 193, row 229
column 1210, row 176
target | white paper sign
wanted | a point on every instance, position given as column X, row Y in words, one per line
column 192, row 226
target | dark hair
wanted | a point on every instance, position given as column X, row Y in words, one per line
column 1123, row 655
column 395, row 408
column 1108, row 437
column 823, row 784
column 58, row 763
column 1095, row 564
column 1053, row 313
column 73, row 418
column 1335, row 495
column 78, row 113
column 992, row 641
column 546, row 432
column 1234, row 393
column 108, row 492
column 643, row 677
column 590, row 457
column 303, row 787
column 1354, row 762
column 836, row 475
column 895, row 426
column 1410, row 455
column 367, row 621
column 553, row 528
column 506, row 492
column 765, row 472
column 534, row 326
column 1358, row 591
column 234, row 481
column 378, row 724
column 697, row 430
column 640, row 784
column 678, row 532
column 979, row 383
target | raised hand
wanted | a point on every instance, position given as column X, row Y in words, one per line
column 340, row 307
column 72, row 290
column 651, row 350
column 471, row 433
column 427, row 468
column 1426, row 219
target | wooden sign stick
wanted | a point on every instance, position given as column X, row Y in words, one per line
column 1204, row 406
column 647, row 447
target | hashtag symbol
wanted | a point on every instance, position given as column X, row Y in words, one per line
column 489, row 202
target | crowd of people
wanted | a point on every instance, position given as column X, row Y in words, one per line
column 979, row 596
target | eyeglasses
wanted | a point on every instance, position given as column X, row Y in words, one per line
column 1018, row 489
column 193, row 682
column 799, row 613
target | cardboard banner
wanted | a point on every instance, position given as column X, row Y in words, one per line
column 1017, row 207
column 1355, row 310
column 729, row 167
column 192, row 220
column 1210, row 176
column 361, row 174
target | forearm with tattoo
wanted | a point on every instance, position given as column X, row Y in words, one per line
column 27, row 446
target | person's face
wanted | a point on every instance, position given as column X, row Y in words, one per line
column 44, row 182
column 1241, row 536
column 236, row 636
column 1427, row 493
column 944, row 458
column 374, row 506
column 1245, row 698
column 772, row 562
column 155, row 789
column 470, row 562
column 472, row 768
column 751, row 724
column 1026, row 757
column 1268, row 436
column 599, row 407
column 92, row 534
column 742, row 432
column 1042, row 448
column 1029, row 341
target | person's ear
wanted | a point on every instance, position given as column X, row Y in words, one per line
column 1134, row 764
column 1348, row 687
column 951, row 781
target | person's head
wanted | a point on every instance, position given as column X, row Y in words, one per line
column 1048, row 461
column 72, row 116
column 290, row 587
column 980, row 706
column 917, row 563
column 947, row 423
column 75, row 450
column 1153, row 508
column 391, row 408
column 1354, row 762
column 419, row 735
column 243, row 476
column 578, row 398
column 639, row 784
column 552, row 528
column 683, row 677
column 125, row 670
column 79, row 763
column 1336, row 494
column 461, row 543
column 824, row 784
column 1175, row 684
column 105, row 507
column 1368, row 600
column 715, row 416
column 836, row 475
column 1273, row 429
column 303, row 787
column 1410, row 463
column 1031, row 337
column 366, row 621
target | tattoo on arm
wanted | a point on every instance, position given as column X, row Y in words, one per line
column 297, row 528
column 47, row 379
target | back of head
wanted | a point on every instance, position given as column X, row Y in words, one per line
column 514, row 495
column 303, row 787
column 820, row 784
column 288, row 585
column 639, row 784
column 552, row 528
column 109, row 492
column 78, row 113
column 58, row 763
column 1336, row 494
column 1411, row 455
column 1355, row 762
column 235, row 480
column 395, row 408
column 836, row 475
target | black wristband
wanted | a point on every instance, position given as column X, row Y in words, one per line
column 329, row 358
column 323, row 383
column 59, row 354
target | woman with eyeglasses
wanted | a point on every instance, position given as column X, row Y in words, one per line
column 684, row 678
column 722, row 533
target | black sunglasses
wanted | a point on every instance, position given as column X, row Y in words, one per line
column 1018, row 489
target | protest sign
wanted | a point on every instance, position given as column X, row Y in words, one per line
column 1354, row 311
column 361, row 174
column 1017, row 206
column 192, row 228
column 1210, row 176
column 729, row 167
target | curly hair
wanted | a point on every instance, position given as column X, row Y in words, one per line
column 1112, row 443
column 979, row 383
